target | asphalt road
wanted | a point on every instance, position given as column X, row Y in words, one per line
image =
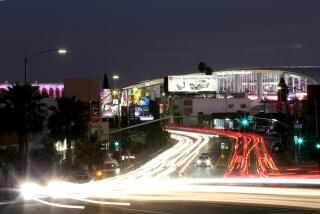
column 158, row 208
column 217, row 169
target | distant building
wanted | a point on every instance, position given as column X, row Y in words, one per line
column 53, row 90
column 258, row 85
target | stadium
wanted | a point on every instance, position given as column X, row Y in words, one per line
column 258, row 83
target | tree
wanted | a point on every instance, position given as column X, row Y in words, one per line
column 88, row 151
column 209, row 71
column 308, row 120
column 69, row 122
column 155, row 132
column 7, row 157
column 200, row 118
column 22, row 111
column 202, row 67
column 283, row 90
column 106, row 84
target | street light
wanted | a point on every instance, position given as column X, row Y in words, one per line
column 115, row 77
column 62, row 51
column 27, row 60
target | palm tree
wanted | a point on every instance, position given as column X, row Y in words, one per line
column 202, row 67
column 69, row 122
column 88, row 151
column 22, row 111
column 209, row 71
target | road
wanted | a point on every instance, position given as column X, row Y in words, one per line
column 218, row 166
column 250, row 156
column 152, row 208
column 172, row 179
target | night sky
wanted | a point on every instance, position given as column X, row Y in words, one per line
column 145, row 39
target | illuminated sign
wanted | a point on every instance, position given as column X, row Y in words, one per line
column 192, row 83
column 231, row 73
column 146, row 118
column 95, row 117
column 109, row 106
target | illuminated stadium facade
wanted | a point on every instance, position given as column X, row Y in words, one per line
column 257, row 83
column 260, row 83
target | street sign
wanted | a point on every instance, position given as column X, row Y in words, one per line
column 222, row 146
column 295, row 138
column 117, row 148
column 298, row 126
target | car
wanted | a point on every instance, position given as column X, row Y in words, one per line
column 180, row 87
column 204, row 159
column 199, row 84
column 109, row 169
column 80, row 177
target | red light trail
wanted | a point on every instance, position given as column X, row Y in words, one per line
column 250, row 148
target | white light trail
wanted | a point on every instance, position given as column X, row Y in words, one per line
column 150, row 183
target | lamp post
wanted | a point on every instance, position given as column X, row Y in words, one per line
column 27, row 60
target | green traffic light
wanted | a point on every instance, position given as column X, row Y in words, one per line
column 300, row 140
column 318, row 145
column 116, row 143
column 244, row 122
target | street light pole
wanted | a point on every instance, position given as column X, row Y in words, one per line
column 316, row 114
column 28, row 59
column 26, row 71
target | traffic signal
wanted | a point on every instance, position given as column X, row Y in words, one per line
column 244, row 122
column 317, row 143
column 116, row 144
column 300, row 140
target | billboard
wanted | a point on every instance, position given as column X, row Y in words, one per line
column 138, row 96
column 192, row 83
column 109, row 104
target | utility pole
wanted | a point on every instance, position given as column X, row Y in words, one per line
column 316, row 114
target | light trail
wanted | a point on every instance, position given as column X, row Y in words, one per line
column 246, row 144
column 151, row 181
column 58, row 205
column 177, row 157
